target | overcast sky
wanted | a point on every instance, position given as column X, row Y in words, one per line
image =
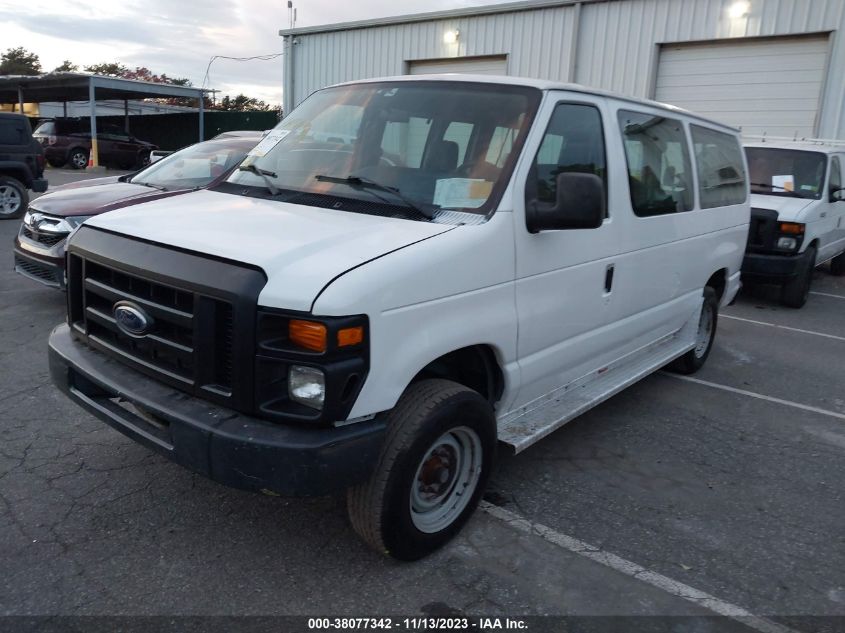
column 177, row 37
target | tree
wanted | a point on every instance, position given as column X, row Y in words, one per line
column 108, row 69
column 242, row 103
column 19, row 61
column 66, row 67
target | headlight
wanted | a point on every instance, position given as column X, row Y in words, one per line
column 307, row 385
column 787, row 243
column 27, row 217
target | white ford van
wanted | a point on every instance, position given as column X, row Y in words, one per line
column 403, row 275
column 797, row 215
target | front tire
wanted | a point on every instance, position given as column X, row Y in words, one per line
column 77, row 158
column 694, row 359
column 795, row 292
column 14, row 198
column 432, row 470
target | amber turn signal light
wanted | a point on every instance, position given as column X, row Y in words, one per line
column 791, row 227
column 350, row 336
column 307, row 334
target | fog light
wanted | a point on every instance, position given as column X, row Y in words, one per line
column 307, row 385
column 787, row 243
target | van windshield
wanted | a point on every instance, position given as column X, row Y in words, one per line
column 786, row 172
column 414, row 145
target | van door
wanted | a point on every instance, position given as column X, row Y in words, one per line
column 836, row 206
column 564, row 278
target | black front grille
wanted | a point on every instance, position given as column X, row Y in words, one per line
column 201, row 312
column 44, row 272
column 48, row 239
column 169, row 348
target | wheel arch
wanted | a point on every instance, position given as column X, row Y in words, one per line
column 719, row 282
column 475, row 366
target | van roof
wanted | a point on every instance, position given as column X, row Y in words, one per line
column 544, row 84
column 808, row 145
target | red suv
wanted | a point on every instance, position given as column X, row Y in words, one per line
column 68, row 142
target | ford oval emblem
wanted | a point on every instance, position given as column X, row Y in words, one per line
column 131, row 319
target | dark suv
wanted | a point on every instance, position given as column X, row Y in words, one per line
column 21, row 165
column 68, row 142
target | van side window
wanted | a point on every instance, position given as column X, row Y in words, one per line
column 835, row 174
column 659, row 171
column 721, row 176
column 574, row 142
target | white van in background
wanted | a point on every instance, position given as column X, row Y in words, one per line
column 797, row 214
column 484, row 259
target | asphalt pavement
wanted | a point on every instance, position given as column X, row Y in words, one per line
column 728, row 487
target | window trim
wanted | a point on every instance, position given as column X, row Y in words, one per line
column 834, row 159
column 533, row 158
column 687, row 134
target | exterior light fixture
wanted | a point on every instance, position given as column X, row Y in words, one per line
column 739, row 9
column 451, row 37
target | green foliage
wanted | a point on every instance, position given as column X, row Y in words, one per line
column 66, row 67
column 242, row 103
column 19, row 61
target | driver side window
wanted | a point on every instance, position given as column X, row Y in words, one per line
column 836, row 179
column 573, row 142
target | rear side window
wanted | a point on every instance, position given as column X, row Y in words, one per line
column 574, row 142
column 721, row 176
column 659, row 172
column 11, row 132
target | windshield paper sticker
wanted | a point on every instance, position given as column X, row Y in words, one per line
column 273, row 138
column 457, row 193
column 783, row 183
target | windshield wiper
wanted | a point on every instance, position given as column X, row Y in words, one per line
column 790, row 192
column 151, row 185
column 266, row 174
column 365, row 183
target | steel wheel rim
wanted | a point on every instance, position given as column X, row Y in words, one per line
column 445, row 480
column 10, row 200
column 705, row 331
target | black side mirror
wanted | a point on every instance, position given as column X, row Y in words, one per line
column 580, row 204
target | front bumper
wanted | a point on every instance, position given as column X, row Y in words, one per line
column 772, row 268
column 47, row 270
column 219, row 443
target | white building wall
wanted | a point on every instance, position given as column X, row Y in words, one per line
column 609, row 44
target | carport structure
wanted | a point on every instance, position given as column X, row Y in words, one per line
column 64, row 87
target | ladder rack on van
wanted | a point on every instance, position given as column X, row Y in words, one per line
column 763, row 138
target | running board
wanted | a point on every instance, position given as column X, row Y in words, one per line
column 520, row 428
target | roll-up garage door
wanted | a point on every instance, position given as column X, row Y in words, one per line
column 768, row 85
column 497, row 65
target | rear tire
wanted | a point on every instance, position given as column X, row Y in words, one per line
column 436, row 460
column 694, row 359
column 14, row 198
column 796, row 291
column 77, row 158
column 837, row 265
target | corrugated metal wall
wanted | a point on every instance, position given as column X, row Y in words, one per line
column 616, row 47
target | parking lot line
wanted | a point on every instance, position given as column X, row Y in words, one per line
column 759, row 396
column 629, row 568
column 827, row 294
column 783, row 327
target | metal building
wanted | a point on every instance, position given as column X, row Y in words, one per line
column 768, row 66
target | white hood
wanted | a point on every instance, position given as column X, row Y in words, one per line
column 789, row 209
column 301, row 249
